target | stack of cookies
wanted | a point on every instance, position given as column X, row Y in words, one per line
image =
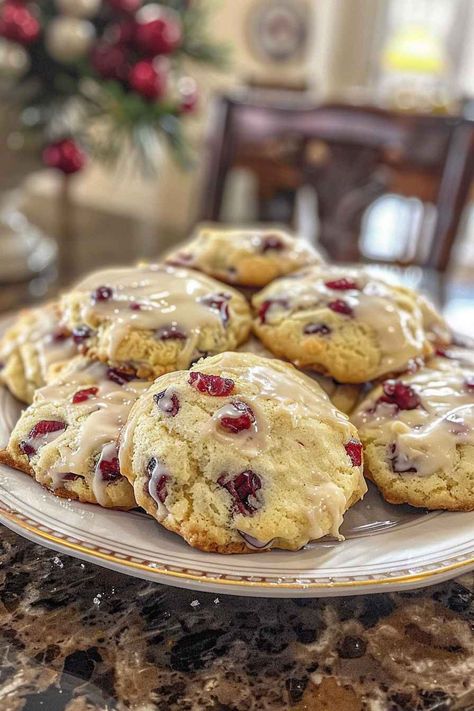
column 214, row 390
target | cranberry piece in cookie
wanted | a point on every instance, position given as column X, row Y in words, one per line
column 341, row 284
column 81, row 334
column 341, row 307
column 271, row 242
column 102, row 293
column 171, row 333
column 243, row 489
column 316, row 329
column 399, row 394
column 119, row 376
column 219, row 303
column 354, row 450
column 83, row 395
column 168, row 403
column 158, row 480
column 243, row 418
column 211, row 384
column 267, row 305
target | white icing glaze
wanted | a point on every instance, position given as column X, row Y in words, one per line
column 425, row 438
column 99, row 419
column 327, row 498
column 252, row 441
column 168, row 297
column 159, row 470
column 399, row 335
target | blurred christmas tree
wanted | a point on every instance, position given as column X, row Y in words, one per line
column 94, row 75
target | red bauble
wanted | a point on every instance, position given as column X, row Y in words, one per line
column 148, row 78
column 158, row 32
column 110, row 61
column 18, row 24
column 129, row 7
column 65, row 156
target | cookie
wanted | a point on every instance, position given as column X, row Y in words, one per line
column 445, row 357
column 418, row 437
column 250, row 257
column 67, row 439
column 344, row 396
column 242, row 453
column 30, row 349
column 154, row 318
column 341, row 322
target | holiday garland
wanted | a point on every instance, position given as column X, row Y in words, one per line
column 66, row 63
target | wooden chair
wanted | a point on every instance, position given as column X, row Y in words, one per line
column 351, row 156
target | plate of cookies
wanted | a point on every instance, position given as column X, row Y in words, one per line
column 242, row 417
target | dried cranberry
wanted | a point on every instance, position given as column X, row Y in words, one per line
column 60, row 334
column 469, row 382
column 266, row 305
column 219, row 303
column 443, row 352
column 69, row 476
column 110, row 469
column 160, row 488
column 312, row 329
column 340, row 307
column 102, row 293
column 167, row 403
column 354, row 450
column 341, row 284
column 400, row 465
column 45, row 427
column 399, row 394
column 135, row 306
column 272, row 242
column 81, row 334
column 242, row 420
column 241, row 488
column 170, row 333
column 116, row 375
column 211, row 384
column 83, row 395
column 27, row 448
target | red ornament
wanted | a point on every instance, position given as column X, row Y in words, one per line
column 158, row 32
column 148, row 79
column 18, row 24
column 110, row 61
column 129, row 7
column 65, row 156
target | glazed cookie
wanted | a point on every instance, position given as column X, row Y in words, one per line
column 344, row 396
column 446, row 357
column 241, row 453
column 154, row 318
column 418, row 436
column 67, row 439
column 250, row 257
column 341, row 322
column 31, row 347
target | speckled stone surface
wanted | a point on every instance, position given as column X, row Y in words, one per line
column 77, row 637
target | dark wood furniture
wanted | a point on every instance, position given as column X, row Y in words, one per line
column 350, row 155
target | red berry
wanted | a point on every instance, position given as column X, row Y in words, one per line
column 102, row 293
column 60, row 334
column 219, row 303
column 110, row 61
column 242, row 420
column 135, row 306
column 341, row 284
column 160, row 34
column 266, row 305
column 316, row 328
column 116, row 375
column 189, row 96
column 81, row 334
column 167, row 403
column 399, row 394
column 148, row 79
column 45, row 427
column 211, row 384
column 271, row 242
column 170, row 333
column 108, row 464
column 161, row 491
column 354, row 450
column 469, row 382
column 83, row 395
column 18, row 24
column 340, row 307
column 241, row 488
column 27, row 448
column 65, row 156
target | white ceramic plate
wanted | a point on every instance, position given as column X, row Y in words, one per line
column 386, row 547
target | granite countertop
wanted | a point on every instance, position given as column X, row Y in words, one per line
column 81, row 638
